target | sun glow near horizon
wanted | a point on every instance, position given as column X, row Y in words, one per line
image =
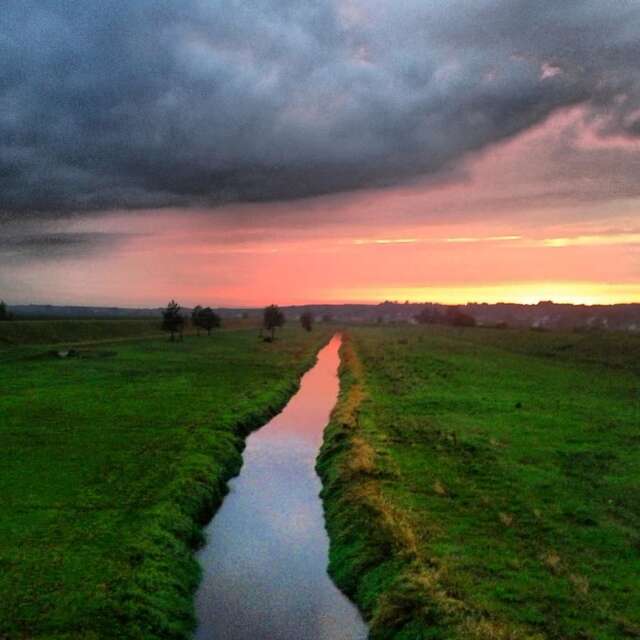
column 577, row 293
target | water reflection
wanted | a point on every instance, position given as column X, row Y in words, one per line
column 265, row 563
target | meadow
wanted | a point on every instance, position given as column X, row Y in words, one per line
column 479, row 484
column 54, row 331
column 113, row 459
column 484, row 483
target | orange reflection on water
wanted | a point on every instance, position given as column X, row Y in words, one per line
column 309, row 406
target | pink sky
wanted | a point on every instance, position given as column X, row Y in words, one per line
column 529, row 219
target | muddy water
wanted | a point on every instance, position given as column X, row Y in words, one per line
column 265, row 563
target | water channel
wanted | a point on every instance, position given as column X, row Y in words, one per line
column 265, row 562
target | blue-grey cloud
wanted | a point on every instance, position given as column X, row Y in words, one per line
column 17, row 248
column 149, row 103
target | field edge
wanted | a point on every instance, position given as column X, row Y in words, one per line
column 158, row 601
column 374, row 557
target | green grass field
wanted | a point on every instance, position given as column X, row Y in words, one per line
column 484, row 484
column 22, row 332
column 112, row 460
column 479, row 484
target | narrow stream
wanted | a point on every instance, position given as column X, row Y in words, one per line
column 265, row 562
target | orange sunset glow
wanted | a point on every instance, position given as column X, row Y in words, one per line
column 459, row 211
column 496, row 233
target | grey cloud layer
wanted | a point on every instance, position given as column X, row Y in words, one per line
column 29, row 248
column 148, row 103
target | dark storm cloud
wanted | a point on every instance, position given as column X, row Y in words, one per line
column 18, row 248
column 150, row 103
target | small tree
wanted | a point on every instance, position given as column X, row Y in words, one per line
column 272, row 319
column 172, row 320
column 5, row 314
column 306, row 320
column 208, row 319
column 195, row 313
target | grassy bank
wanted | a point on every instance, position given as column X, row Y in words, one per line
column 483, row 484
column 111, row 461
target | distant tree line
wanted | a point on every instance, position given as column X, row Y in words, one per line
column 173, row 320
column 274, row 318
column 453, row 316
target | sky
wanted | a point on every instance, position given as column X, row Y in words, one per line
column 242, row 153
